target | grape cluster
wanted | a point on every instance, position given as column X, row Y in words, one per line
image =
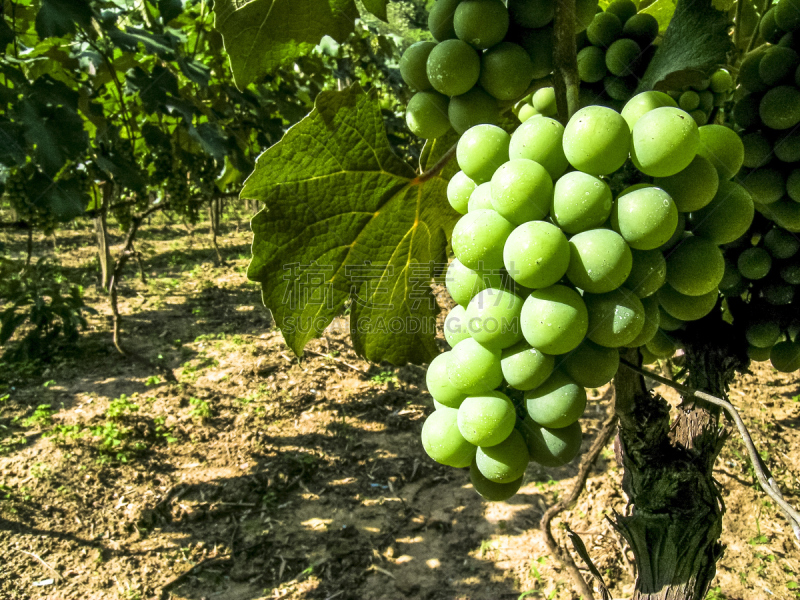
column 556, row 269
column 700, row 100
column 25, row 208
column 485, row 53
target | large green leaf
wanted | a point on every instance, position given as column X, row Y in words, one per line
column 348, row 221
column 662, row 10
column 377, row 8
column 696, row 41
column 265, row 34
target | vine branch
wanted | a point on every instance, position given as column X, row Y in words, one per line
column 565, row 57
column 437, row 168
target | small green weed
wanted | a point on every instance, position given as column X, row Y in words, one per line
column 41, row 417
column 121, row 407
column 716, row 594
column 201, row 410
column 152, row 380
column 385, row 377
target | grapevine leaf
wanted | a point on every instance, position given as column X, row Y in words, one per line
column 6, row 35
column 377, row 8
column 265, row 34
column 169, row 9
column 347, row 221
column 696, row 41
column 435, row 149
column 57, row 18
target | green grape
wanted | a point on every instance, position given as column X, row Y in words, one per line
column 778, row 294
column 600, row 261
column 721, row 81
column 531, row 13
column 619, row 88
column 758, row 354
column 481, row 151
column 544, row 100
column 580, row 202
column 692, row 188
column 667, row 322
column 604, row 29
column 643, row 103
column 768, row 28
column 506, row 462
column 645, row 218
column 723, row 148
column 480, row 198
column 459, row 189
column 664, row 142
column 439, row 386
column 622, row 57
column 777, row 64
column 443, row 441
column 506, row 71
column 748, row 70
column 643, row 28
column 765, row 185
column 787, row 15
column 413, row 67
column 727, row 217
column 647, row 357
column 440, row 19
column 473, row 368
column 557, row 403
column 526, row 112
column 780, row 243
column 695, row 267
column 486, row 420
column 793, row 185
column 592, row 64
column 453, row 67
column 652, row 322
column 488, row 489
column 552, row 447
column 791, row 274
column 481, row 23
column 597, row 140
column 493, row 318
column 426, row 115
column 757, row 150
column 478, row 239
column 540, row 140
column 464, row 283
column 686, row 308
column 539, row 45
column 754, row 263
column 615, row 318
column 475, row 107
column 661, row 345
column 762, row 334
column 731, row 278
column 648, row 272
column 624, row 9
column 590, row 365
column 536, row 254
column 554, row 320
column 455, row 325
column 522, row 191
column 785, row 213
column 780, row 107
column 524, row 367
column 785, row 356
column 584, row 13
column 706, row 100
column 699, row 117
column 689, row 100
column 745, row 111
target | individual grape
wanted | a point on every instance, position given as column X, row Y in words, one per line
column 552, row 447
column 506, row 71
column 619, row 88
column 780, row 107
column 443, row 441
column 666, row 321
column 600, row 261
column 683, row 307
column 473, row 368
column 648, row 272
column 785, row 213
column 765, row 185
column 643, row 103
column 584, row 13
column 785, row 356
column 490, row 490
column 439, row 384
column 754, row 263
column 723, row 148
column 768, row 28
column 540, row 140
column 590, row 365
column 706, row 101
column 727, row 217
column 731, row 278
column 652, row 322
column 597, row 140
column 525, row 367
column 604, row 29
column 426, row 115
column 762, row 334
column 531, row 13
column 440, row 19
column 481, row 198
column 647, row 357
column 615, row 318
column 487, row 419
column 660, row 346
column 624, row 9
column 664, row 142
column 643, row 28
column 692, row 188
column 475, row 107
column 748, row 72
column 557, row 403
column 645, row 218
column 539, row 45
column 778, row 294
column 622, row 57
column 493, row 318
column 793, row 185
column 787, row 147
column 481, row 151
column 527, row 112
column 453, row 67
column 413, row 65
column 777, row 64
column 592, row 64
column 791, row 274
column 478, row 239
column 554, row 320
column 580, row 202
column 699, row 117
column 481, row 23
column 505, row 462
column 522, row 191
column 787, row 15
column 536, row 254
column 464, row 283
column 459, row 189
column 757, row 150
column 455, row 325
column 544, row 100
column 695, row 267
column 780, row 243
column 758, row 354
column 689, row 100
column 721, row 81
column 745, row 111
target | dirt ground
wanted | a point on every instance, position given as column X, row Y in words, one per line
column 263, row 476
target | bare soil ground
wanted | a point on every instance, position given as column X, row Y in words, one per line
column 264, row 476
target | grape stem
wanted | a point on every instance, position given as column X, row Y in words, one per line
column 763, row 475
column 435, row 169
